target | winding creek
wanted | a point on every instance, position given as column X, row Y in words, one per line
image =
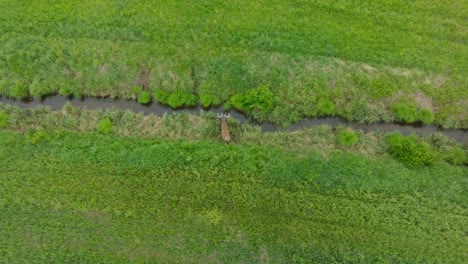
column 56, row 102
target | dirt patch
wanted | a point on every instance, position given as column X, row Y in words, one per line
column 424, row 100
column 437, row 80
column 143, row 78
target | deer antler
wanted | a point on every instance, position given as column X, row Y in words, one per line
column 219, row 115
column 228, row 115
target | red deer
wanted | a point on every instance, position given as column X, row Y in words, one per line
column 224, row 128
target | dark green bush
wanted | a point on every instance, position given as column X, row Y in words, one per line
column 179, row 99
column 144, row 97
column 176, row 99
column 409, row 150
column 3, row 119
column 347, row 137
column 161, row 96
column 258, row 99
column 206, row 99
column 104, row 126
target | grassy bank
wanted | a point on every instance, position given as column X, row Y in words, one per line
column 275, row 60
column 70, row 197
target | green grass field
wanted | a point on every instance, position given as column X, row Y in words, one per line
column 92, row 198
column 363, row 60
column 111, row 186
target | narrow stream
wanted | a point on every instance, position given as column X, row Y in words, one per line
column 56, row 102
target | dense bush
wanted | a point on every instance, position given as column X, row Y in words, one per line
column 409, row 150
column 3, row 119
column 259, row 99
column 104, row 126
column 425, row 116
column 144, row 97
column 176, row 99
column 409, row 113
column 347, row 137
column 405, row 112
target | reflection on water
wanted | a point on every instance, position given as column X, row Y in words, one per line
column 56, row 102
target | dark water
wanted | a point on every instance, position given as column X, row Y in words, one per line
column 56, row 102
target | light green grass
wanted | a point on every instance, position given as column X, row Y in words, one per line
column 361, row 56
column 94, row 198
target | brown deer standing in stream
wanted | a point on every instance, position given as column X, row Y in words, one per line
column 224, row 128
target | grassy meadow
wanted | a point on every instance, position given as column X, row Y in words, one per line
column 94, row 198
column 277, row 61
column 112, row 186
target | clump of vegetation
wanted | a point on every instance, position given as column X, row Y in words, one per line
column 455, row 156
column 409, row 150
column 325, row 107
column 39, row 136
column 144, row 97
column 409, row 113
column 176, row 99
column 19, row 90
column 3, row 119
column 260, row 99
column 347, row 137
column 104, row 126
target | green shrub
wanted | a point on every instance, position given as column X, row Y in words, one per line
column 179, row 99
column 206, row 99
column 406, row 112
column 144, row 97
column 161, row 96
column 19, row 90
column 347, row 137
column 409, row 150
column 456, row 156
column 325, row 107
column 258, row 99
column 3, row 119
column 176, row 99
column 426, row 116
column 39, row 136
column 104, row 126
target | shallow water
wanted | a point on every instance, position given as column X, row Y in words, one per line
column 56, row 102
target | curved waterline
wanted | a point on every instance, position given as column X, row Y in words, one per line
column 56, row 102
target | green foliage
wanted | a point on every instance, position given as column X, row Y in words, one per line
column 259, row 99
column 426, row 116
column 161, row 96
column 325, row 107
column 179, row 99
column 456, row 156
column 4, row 117
column 409, row 150
column 104, row 126
column 176, row 99
column 347, row 137
column 207, row 99
column 19, row 91
column 409, row 113
column 406, row 112
column 38, row 137
column 144, row 97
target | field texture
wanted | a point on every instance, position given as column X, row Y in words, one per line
column 91, row 198
column 279, row 61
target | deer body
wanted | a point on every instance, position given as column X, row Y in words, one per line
column 224, row 128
